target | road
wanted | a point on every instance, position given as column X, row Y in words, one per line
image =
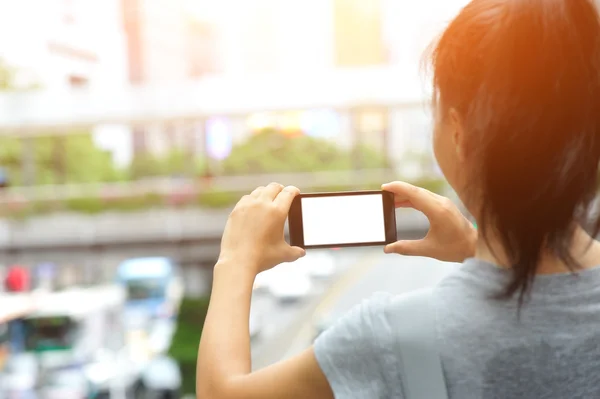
column 362, row 273
column 282, row 321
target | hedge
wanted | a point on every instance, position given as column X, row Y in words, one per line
column 184, row 348
column 211, row 199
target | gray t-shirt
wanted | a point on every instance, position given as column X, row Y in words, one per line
column 552, row 352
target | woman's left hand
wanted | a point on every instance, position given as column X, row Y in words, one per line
column 254, row 233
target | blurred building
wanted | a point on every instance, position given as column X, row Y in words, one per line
column 301, row 40
column 165, row 47
column 245, row 40
column 269, row 36
column 278, row 36
column 201, row 49
column 359, row 33
column 156, row 41
column 62, row 44
column 233, row 60
column 171, row 41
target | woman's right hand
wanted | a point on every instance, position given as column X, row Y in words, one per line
column 451, row 237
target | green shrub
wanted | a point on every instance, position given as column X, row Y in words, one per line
column 188, row 376
column 436, row 185
column 45, row 206
column 184, row 348
column 153, row 199
column 338, row 188
column 129, row 204
column 90, row 205
column 214, row 198
column 21, row 213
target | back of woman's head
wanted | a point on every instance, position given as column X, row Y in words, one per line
column 524, row 77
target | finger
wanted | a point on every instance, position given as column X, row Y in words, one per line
column 270, row 192
column 409, row 247
column 285, row 197
column 257, row 191
column 419, row 198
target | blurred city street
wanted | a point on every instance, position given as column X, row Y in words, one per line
column 285, row 326
column 284, row 322
column 128, row 131
column 362, row 273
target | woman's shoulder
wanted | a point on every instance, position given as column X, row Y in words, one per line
column 367, row 319
column 356, row 352
column 361, row 353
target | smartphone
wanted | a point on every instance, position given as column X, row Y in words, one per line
column 342, row 219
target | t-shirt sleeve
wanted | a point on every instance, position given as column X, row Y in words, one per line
column 356, row 353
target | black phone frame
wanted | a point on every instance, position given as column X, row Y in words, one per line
column 296, row 226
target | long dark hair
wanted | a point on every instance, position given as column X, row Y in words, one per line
column 525, row 77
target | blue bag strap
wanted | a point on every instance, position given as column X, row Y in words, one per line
column 422, row 374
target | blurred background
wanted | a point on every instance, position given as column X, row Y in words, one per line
column 128, row 130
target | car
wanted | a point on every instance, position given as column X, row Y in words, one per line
column 160, row 379
column 262, row 281
column 319, row 264
column 289, row 284
column 17, row 386
column 256, row 324
column 161, row 334
column 65, row 384
column 20, row 375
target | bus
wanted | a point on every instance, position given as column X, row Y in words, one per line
column 153, row 285
column 76, row 320
column 78, row 340
column 59, row 331
column 17, row 375
column 154, row 290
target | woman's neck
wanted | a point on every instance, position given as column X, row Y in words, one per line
column 584, row 250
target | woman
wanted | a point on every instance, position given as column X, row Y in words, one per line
column 517, row 135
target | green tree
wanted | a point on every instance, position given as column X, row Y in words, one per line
column 10, row 158
column 145, row 165
column 73, row 158
column 272, row 152
column 85, row 162
column 7, row 77
column 174, row 163
column 68, row 159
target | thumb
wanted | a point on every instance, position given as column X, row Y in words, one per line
column 410, row 248
column 293, row 253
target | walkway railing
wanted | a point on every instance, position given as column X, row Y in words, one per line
column 226, row 184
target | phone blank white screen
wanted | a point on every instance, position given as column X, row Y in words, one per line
column 348, row 219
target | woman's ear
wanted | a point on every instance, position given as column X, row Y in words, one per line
column 458, row 133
